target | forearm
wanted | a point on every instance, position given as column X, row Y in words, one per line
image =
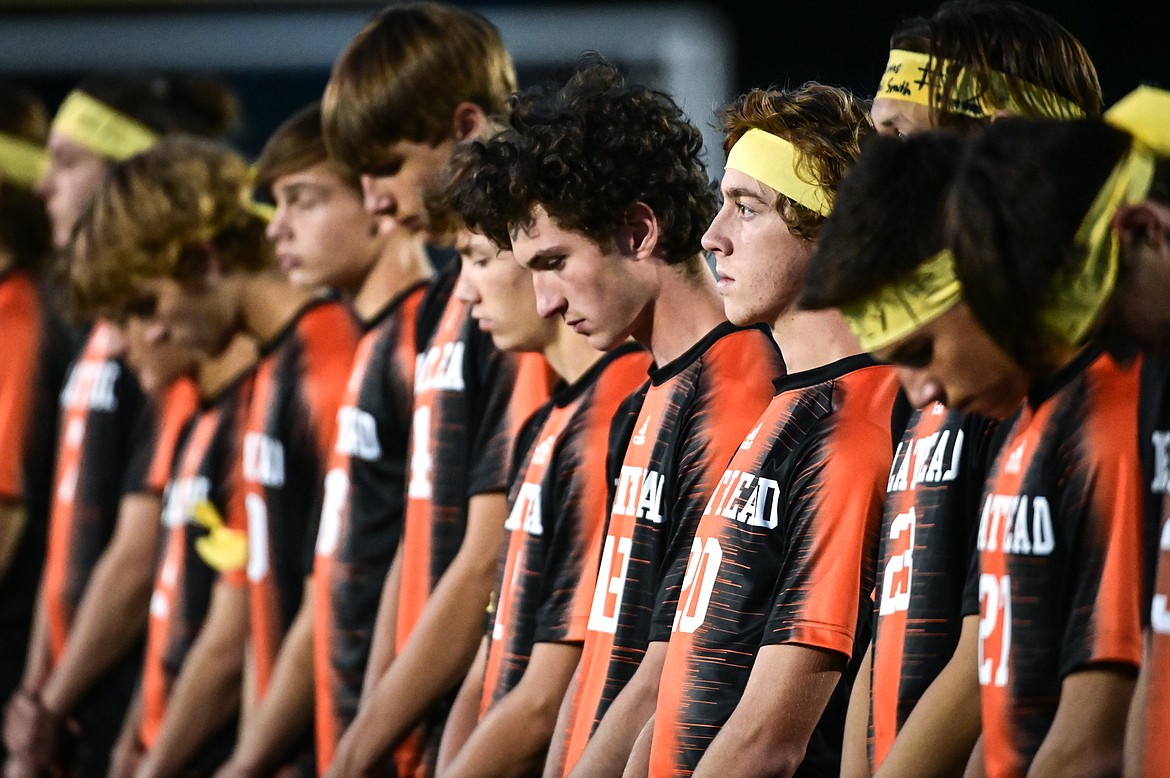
column 382, row 641
column 855, row 749
column 464, row 715
column 37, row 664
column 554, row 763
column 514, row 735
column 112, row 614
column 940, row 732
column 609, row 748
column 286, row 710
column 12, row 524
column 639, row 764
column 1135, row 730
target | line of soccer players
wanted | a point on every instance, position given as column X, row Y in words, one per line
column 462, row 461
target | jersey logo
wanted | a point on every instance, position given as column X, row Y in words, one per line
column 938, row 409
column 640, row 435
column 441, row 367
column 1015, row 460
column 543, row 452
column 357, row 434
column 750, row 440
column 1017, row 524
column 639, row 494
column 263, row 460
column 1161, row 442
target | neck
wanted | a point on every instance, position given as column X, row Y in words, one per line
column 6, row 260
column 402, row 263
column 269, row 303
column 214, row 373
column 686, row 307
column 570, row 354
column 811, row 339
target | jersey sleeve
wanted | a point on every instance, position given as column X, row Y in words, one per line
column 17, row 371
column 142, row 446
column 510, row 388
column 835, row 499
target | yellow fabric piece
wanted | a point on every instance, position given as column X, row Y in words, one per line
column 223, row 549
column 1145, row 114
column 773, row 161
column 106, row 132
column 21, row 162
column 899, row 309
column 908, row 77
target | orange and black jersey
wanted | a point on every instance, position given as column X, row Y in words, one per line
column 362, row 511
column 926, row 547
column 206, row 467
column 690, row 417
column 1060, row 552
column 469, row 401
column 784, row 553
column 298, row 387
column 557, row 514
column 1154, row 430
column 37, row 351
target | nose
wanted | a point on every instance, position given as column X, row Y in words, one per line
column 376, row 199
column 155, row 332
column 465, row 290
column 549, row 299
column 922, row 389
column 278, row 227
column 45, row 185
column 715, row 238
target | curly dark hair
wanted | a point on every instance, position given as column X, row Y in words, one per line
column 585, row 153
column 825, row 124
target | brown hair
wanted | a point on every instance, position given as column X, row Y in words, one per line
column 404, row 74
column 24, row 227
column 987, row 36
column 297, row 144
column 825, row 124
column 168, row 103
column 157, row 214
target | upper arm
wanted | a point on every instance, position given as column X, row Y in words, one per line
column 1087, row 734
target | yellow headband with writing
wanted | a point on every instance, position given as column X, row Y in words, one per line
column 773, row 161
column 101, row 129
column 904, row 306
column 910, row 75
column 1079, row 294
column 21, row 162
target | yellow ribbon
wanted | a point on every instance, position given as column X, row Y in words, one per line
column 898, row 309
column 222, row 548
column 21, row 162
column 1145, row 114
column 773, row 161
column 101, row 129
column 909, row 75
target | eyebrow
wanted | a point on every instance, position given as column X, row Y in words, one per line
column 544, row 255
column 740, row 191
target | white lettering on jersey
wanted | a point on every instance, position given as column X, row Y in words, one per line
column 1018, row 524
column 746, row 498
column 1161, row 443
column 441, row 367
column 263, row 460
column 1160, row 605
column 357, row 434
column 611, row 584
column 91, row 385
column 639, row 494
column 526, row 511
column 936, row 460
column 181, row 497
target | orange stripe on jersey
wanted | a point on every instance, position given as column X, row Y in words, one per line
column 179, row 401
column 86, row 374
column 20, row 316
column 164, row 599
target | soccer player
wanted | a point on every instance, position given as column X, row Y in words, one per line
column 114, row 450
column 206, row 272
column 1058, row 535
column 773, row 613
column 937, row 66
column 324, row 237
column 37, row 351
column 607, row 202
column 419, row 79
column 505, row 714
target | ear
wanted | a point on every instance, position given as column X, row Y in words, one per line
column 216, row 268
column 1001, row 113
column 1142, row 221
column 639, row 233
column 467, row 122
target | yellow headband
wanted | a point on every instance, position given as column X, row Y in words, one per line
column 902, row 307
column 21, row 162
column 772, row 160
column 104, row 131
column 1079, row 294
column 909, row 74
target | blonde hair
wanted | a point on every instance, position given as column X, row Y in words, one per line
column 161, row 214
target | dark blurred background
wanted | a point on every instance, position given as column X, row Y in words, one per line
column 277, row 53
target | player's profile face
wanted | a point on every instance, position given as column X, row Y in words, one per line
column 500, row 294
column 322, row 234
column 1140, row 307
column 154, row 356
column 396, row 186
column 199, row 318
column 897, row 118
column 599, row 292
column 759, row 263
column 70, row 180
column 952, row 360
